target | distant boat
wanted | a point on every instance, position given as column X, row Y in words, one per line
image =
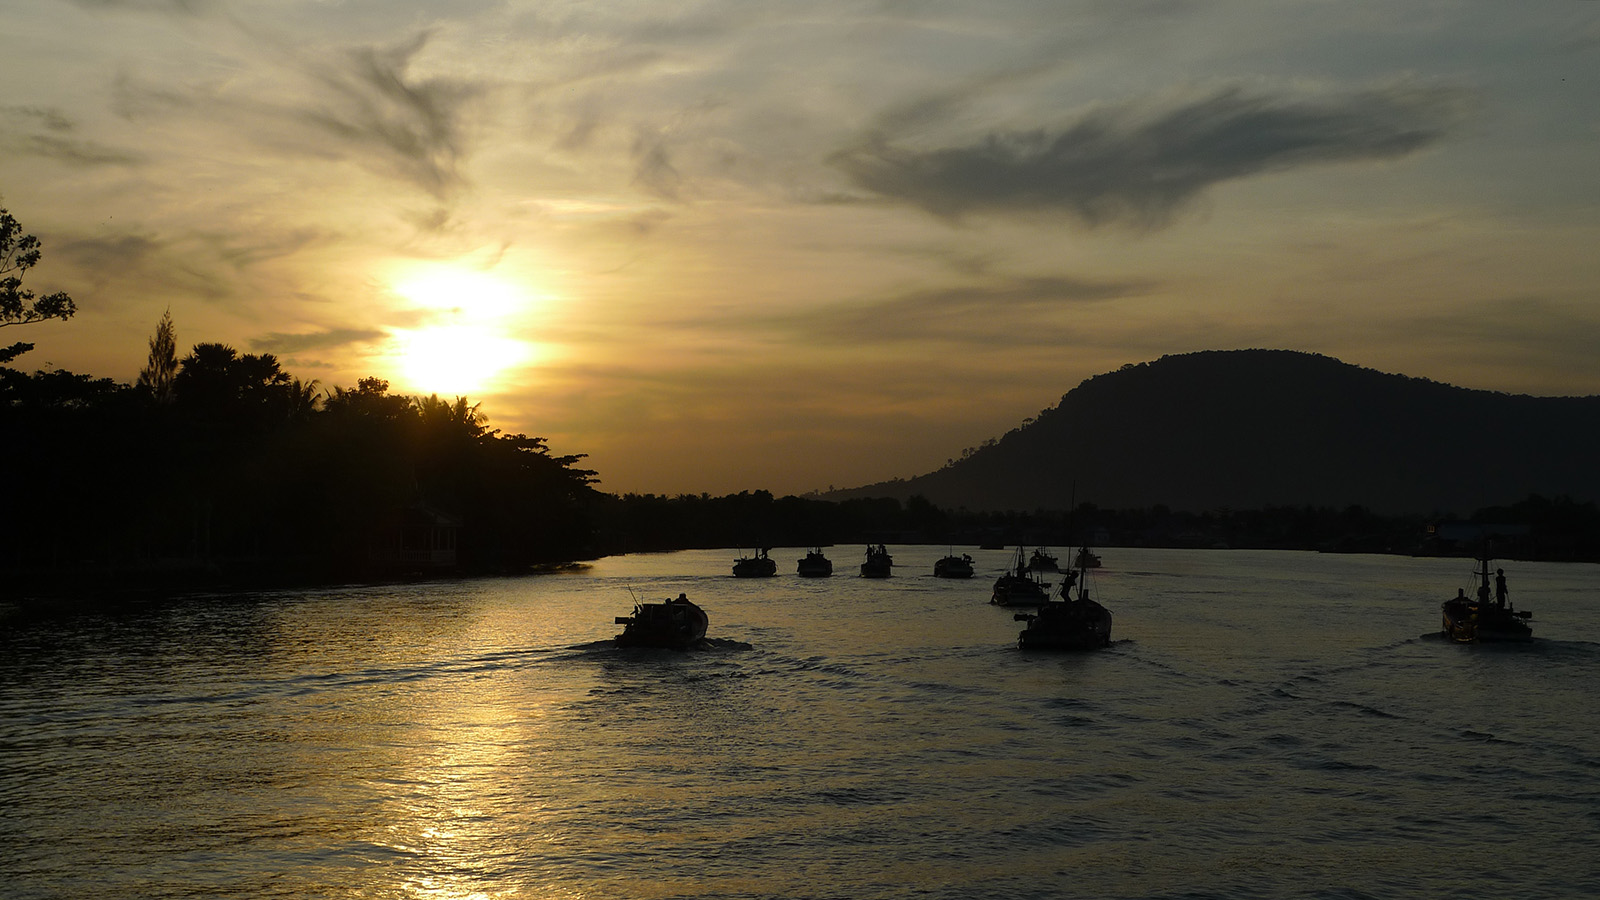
column 1019, row 586
column 1043, row 562
column 953, row 566
column 758, row 566
column 879, row 564
column 673, row 624
column 1472, row 620
column 1073, row 622
column 815, row 565
column 1086, row 559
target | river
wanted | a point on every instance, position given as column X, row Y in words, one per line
column 1265, row 724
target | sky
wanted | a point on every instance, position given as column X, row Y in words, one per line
column 730, row 245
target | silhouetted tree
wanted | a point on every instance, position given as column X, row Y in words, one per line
column 162, row 366
column 19, row 306
column 370, row 399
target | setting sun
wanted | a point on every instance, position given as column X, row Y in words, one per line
column 461, row 344
column 459, row 360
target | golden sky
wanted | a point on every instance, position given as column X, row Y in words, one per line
column 726, row 245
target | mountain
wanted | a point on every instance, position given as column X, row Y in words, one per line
column 1247, row 429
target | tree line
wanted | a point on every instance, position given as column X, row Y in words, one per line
column 222, row 464
column 218, row 468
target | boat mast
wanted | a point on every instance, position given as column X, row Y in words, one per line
column 1484, row 557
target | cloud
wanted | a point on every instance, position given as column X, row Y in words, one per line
column 127, row 252
column 1120, row 166
column 414, row 125
column 1009, row 309
column 280, row 343
column 1529, row 334
column 653, row 169
column 50, row 133
column 181, row 7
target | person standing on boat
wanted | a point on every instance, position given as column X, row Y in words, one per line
column 1500, row 588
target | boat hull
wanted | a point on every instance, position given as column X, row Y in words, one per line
column 1067, row 625
column 1469, row 622
column 755, row 568
column 671, row 625
column 953, row 567
column 879, row 564
column 1019, row 590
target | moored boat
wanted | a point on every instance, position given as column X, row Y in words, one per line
column 1086, row 559
column 672, row 624
column 1018, row 586
column 815, row 565
column 953, row 566
column 1480, row 619
column 1074, row 622
column 878, row 564
column 1042, row 561
column 758, row 566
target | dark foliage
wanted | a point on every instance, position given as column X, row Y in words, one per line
column 246, row 478
column 19, row 305
column 751, row 519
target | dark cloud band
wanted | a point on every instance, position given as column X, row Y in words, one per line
column 321, row 340
column 1118, row 166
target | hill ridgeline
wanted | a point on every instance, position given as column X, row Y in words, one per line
column 1248, row 429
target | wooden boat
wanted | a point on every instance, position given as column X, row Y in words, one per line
column 879, row 564
column 674, row 624
column 953, row 566
column 1041, row 561
column 1086, row 560
column 1074, row 622
column 815, row 565
column 758, row 566
column 1019, row 586
column 1472, row 620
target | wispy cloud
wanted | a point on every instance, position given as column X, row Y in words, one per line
column 1018, row 309
column 414, row 124
column 1123, row 166
column 125, row 252
column 181, row 7
column 278, row 342
column 50, row 133
column 653, row 168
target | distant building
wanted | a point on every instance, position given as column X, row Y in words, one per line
column 1446, row 537
column 416, row 536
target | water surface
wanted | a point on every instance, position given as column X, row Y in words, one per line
column 1265, row 725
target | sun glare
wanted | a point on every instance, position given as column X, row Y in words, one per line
column 461, row 346
column 458, row 360
column 466, row 292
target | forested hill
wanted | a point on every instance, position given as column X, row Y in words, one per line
column 1247, row 429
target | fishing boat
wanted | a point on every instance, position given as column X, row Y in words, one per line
column 1480, row 619
column 1073, row 622
column 675, row 624
column 1086, row 559
column 953, row 566
column 1041, row 561
column 758, row 566
column 878, row 564
column 1018, row 586
column 815, row 565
